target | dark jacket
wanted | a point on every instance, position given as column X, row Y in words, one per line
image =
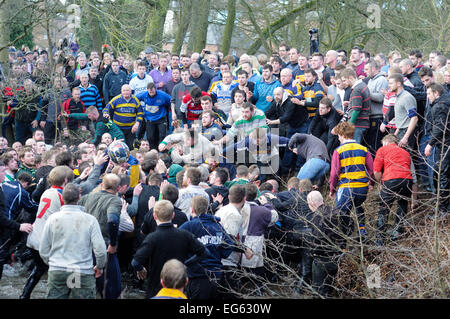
column 166, row 243
column 6, row 223
column 212, row 191
column 321, row 127
column 292, row 114
column 418, row 85
column 440, row 111
column 52, row 102
column 41, row 178
column 112, row 84
column 149, row 224
column 27, row 107
column 70, row 106
column 16, row 199
column 203, row 81
column 251, row 87
column 293, row 208
column 326, row 239
column 147, row 192
column 208, row 230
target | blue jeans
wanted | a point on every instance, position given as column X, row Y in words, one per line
column 171, row 128
column 23, row 131
column 7, row 123
column 360, row 132
column 346, row 199
column 288, row 154
column 113, row 286
column 313, row 169
column 426, row 164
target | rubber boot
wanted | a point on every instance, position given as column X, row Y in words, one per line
column 32, row 281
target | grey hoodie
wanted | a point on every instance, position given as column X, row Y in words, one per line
column 376, row 84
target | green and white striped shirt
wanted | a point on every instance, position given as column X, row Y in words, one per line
column 243, row 128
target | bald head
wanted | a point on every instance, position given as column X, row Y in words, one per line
column 244, row 58
column 110, row 183
column 126, row 91
column 331, row 56
column 278, row 94
column 315, row 200
column 274, row 184
column 285, row 76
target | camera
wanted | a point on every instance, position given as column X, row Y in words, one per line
column 207, row 52
column 313, row 31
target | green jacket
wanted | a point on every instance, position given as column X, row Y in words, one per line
column 101, row 128
column 24, row 169
column 239, row 181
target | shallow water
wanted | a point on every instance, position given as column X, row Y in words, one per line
column 15, row 277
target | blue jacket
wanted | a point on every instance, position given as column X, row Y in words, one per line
column 16, row 199
column 261, row 91
column 207, row 229
column 156, row 107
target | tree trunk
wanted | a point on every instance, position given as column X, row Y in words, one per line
column 202, row 27
column 48, row 22
column 94, row 31
column 147, row 36
column 192, row 26
column 157, row 23
column 229, row 26
column 183, row 25
column 4, row 35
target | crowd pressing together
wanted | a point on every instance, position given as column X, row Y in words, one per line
column 178, row 170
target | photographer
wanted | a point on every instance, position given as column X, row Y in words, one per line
column 210, row 63
column 313, row 40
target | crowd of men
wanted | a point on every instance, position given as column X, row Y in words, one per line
column 226, row 154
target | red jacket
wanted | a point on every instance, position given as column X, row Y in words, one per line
column 69, row 106
column 193, row 111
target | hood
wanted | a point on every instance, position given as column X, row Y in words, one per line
column 208, row 217
column 380, row 74
column 173, row 170
column 274, row 79
column 444, row 99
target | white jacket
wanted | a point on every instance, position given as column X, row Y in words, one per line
column 68, row 239
column 195, row 154
column 231, row 220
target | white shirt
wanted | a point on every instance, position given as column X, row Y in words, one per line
column 51, row 202
column 139, row 85
column 231, row 220
column 68, row 239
